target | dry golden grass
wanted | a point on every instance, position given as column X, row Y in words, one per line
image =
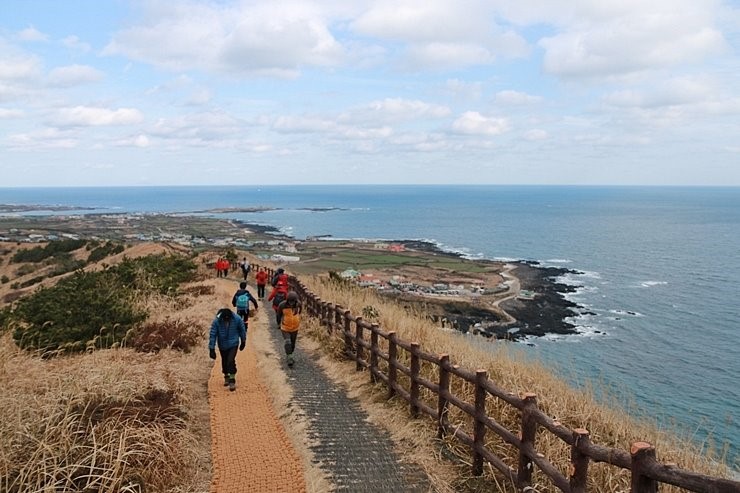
column 607, row 422
column 109, row 420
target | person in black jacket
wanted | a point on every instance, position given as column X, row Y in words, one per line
column 241, row 300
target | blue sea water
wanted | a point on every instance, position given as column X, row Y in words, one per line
column 659, row 269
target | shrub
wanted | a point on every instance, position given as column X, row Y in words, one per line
column 160, row 273
column 24, row 270
column 100, row 252
column 169, row 333
column 75, row 310
column 96, row 309
column 4, row 279
column 37, row 254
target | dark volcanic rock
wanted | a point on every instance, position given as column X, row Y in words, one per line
column 546, row 313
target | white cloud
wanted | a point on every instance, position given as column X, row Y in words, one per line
column 87, row 116
column 464, row 89
column 31, row 34
column 473, row 123
column 614, row 38
column 19, row 67
column 536, row 134
column 74, row 75
column 204, row 128
column 303, row 124
column 275, row 38
column 74, row 43
column 513, row 98
column 46, row 138
column 439, row 34
column 392, row 110
column 10, row 114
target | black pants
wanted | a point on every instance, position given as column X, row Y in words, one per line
column 289, row 337
column 228, row 361
column 260, row 290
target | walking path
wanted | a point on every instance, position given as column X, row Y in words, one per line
column 252, row 452
column 250, row 449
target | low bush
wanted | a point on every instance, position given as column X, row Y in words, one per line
column 37, row 254
column 100, row 252
column 96, row 309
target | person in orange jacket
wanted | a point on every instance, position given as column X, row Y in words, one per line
column 288, row 316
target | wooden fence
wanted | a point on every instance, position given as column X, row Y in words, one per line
column 365, row 342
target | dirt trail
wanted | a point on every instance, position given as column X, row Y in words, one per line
column 250, row 448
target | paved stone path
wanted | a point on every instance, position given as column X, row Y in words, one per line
column 357, row 455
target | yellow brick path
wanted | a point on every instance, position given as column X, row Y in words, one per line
column 250, row 449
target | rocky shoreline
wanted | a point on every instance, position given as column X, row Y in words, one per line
column 546, row 313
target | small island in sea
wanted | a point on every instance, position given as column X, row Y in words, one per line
column 504, row 300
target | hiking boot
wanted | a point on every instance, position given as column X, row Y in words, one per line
column 232, row 385
column 290, row 360
column 226, row 381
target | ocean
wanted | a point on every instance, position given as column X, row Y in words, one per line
column 659, row 270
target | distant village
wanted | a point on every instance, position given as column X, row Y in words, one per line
column 278, row 250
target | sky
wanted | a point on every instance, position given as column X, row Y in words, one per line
column 578, row 92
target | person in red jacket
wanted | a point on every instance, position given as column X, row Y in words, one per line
column 279, row 293
column 261, row 278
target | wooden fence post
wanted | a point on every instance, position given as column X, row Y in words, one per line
column 359, row 353
column 643, row 455
column 444, row 389
column 579, row 461
column 320, row 310
column 479, row 428
column 374, row 352
column 338, row 318
column 529, row 431
column 392, row 358
column 414, row 385
column 347, row 334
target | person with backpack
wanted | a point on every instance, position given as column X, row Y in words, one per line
column 279, row 293
column 279, row 275
column 229, row 333
column 288, row 316
column 261, row 278
column 241, row 300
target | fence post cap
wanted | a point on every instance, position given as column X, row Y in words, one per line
column 640, row 447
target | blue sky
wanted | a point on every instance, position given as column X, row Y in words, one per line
column 152, row 92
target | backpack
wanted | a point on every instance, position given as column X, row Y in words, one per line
column 291, row 320
column 242, row 301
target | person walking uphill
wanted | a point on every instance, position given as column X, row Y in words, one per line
column 288, row 317
column 229, row 333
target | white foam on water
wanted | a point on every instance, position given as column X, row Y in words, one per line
column 559, row 261
column 626, row 313
column 650, row 284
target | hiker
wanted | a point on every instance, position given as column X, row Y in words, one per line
column 279, row 293
column 289, row 319
column 245, row 268
column 279, row 274
column 241, row 300
column 218, row 267
column 225, row 267
column 227, row 330
column 261, row 278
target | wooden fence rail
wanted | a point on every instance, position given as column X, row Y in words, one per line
column 368, row 353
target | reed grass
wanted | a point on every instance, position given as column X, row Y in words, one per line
column 607, row 418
